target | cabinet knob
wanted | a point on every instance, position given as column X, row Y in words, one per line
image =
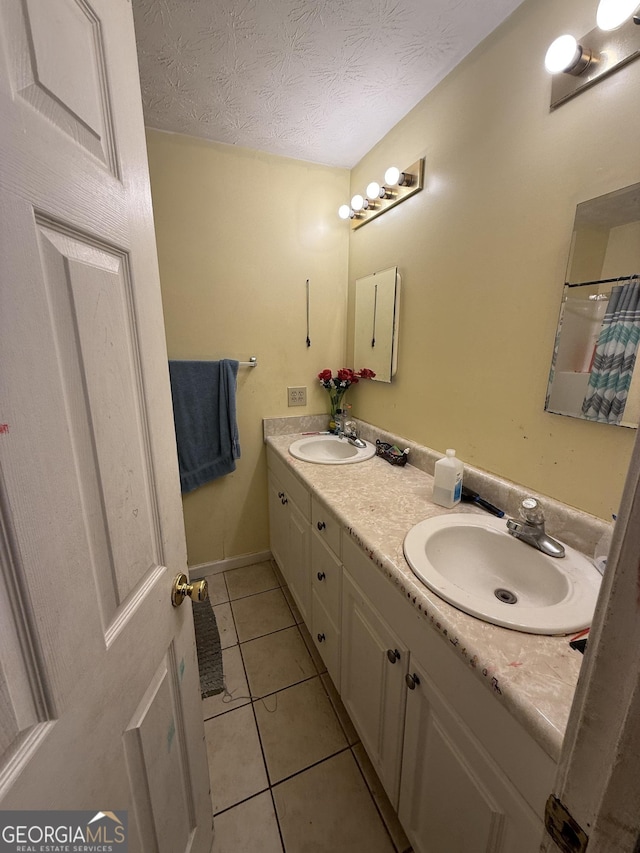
column 411, row 681
column 321, row 576
column 321, row 638
column 393, row 655
column 321, row 525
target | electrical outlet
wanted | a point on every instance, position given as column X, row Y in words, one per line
column 297, row 396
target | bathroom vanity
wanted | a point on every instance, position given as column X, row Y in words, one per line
column 462, row 720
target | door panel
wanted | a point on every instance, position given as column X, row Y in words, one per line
column 58, row 66
column 166, row 814
column 90, row 301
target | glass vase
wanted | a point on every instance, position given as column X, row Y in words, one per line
column 335, row 404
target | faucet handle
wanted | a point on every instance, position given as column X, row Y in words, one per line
column 531, row 511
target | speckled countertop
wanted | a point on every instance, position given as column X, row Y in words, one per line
column 377, row 503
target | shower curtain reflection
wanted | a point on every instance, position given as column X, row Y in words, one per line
column 615, row 356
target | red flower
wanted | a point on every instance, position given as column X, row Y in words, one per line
column 344, row 378
column 345, row 374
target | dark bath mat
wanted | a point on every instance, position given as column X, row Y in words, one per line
column 208, row 647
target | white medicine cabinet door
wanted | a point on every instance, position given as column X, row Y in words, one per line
column 374, row 665
column 453, row 796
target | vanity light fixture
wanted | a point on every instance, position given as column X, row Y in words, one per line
column 575, row 65
column 397, row 187
column 612, row 13
column 565, row 54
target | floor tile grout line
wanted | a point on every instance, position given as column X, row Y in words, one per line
column 344, row 730
column 251, row 594
column 226, row 809
column 310, row 766
column 255, row 699
column 348, row 748
column 371, row 794
column 248, row 639
column 255, row 719
column 250, row 697
column 275, row 812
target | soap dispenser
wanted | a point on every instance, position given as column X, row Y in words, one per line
column 447, row 480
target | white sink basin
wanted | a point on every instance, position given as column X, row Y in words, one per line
column 330, row 450
column 476, row 565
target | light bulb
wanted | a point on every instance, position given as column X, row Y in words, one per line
column 344, row 211
column 392, row 175
column 563, row 54
column 357, row 202
column 612, row 13
column 373, row 190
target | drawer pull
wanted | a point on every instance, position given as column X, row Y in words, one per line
column 321, row 576
column 411, row 681
column 321, row 525
column 321, row 638
column 393, row 655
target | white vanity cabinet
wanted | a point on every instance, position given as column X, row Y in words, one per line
column 462, row 772
column 471, row 778
column 290, row 532
column 372, row 687
column 453, row 795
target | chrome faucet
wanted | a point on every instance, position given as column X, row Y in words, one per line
column 347, row 429
column 530, row 528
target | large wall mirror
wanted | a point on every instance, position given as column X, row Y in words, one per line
column 594, row 372
column 377, row 309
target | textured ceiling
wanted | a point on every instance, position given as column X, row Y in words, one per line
column 318, row 80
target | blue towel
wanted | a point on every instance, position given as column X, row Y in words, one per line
column 204, row 410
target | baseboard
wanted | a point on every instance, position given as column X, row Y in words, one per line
column 204, row 569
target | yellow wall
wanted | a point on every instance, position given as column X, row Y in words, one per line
column 238, row 234
column 483, row 253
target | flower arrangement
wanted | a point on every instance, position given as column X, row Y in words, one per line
column 338, row 385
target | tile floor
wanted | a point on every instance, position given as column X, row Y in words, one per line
column 288, row 774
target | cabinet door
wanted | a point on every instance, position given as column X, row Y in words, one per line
column 298, row 560
column 453, row 796
column 326, row 577
column 326, row 636
column 374, row 664
column 278, row 524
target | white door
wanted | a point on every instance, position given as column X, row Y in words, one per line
column 99, row 697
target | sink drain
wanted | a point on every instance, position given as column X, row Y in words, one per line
column 506, row 596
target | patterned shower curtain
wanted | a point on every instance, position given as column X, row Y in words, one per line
column 615, row 356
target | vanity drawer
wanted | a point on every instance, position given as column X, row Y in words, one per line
column 293, row 488
column 326, row 577
column 326, row 525
column 326, row 637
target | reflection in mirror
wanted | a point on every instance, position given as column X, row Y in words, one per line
column 593, row 372
column 376, row 323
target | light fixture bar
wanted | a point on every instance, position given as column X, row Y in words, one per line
column 610, row 50
column 396, row 195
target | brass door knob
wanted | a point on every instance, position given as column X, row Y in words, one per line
column 197, row 591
